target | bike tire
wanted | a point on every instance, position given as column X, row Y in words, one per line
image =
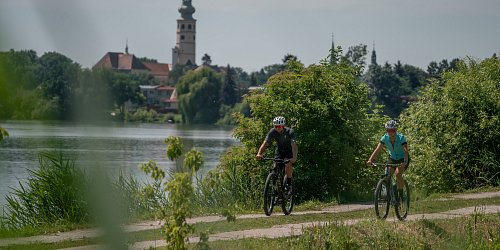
column 288, row 197
column 269, row 194
column 403, row 207
column 382, row 201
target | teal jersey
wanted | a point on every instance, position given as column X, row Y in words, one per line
column 396, row 152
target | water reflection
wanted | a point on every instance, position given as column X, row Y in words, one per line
column 114, row 146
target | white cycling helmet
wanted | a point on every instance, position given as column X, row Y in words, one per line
column 280, row 120
column 391, row 124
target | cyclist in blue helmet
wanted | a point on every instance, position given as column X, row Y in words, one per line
column 398, row 152
column 286, row 145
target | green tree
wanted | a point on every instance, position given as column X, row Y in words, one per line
column 58, row 83
column 287, row 61
column 454, row 122
column 198, row 94
column 355, row 55
column 228, row 90
column 385, row 84
column 206, row 60
column 125, row 89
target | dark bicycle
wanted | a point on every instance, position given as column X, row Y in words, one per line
column 385, row 195
column 274, row 191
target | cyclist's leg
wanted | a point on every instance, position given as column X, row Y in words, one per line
column 288, row 166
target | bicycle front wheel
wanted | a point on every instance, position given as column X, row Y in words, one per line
column 288, row 197
column 382, row 202
column 270, row 194
column 403, row 204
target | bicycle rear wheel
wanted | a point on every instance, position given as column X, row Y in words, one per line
column 288, row 197
column 382, row 202
column 403, row 206
column 269, row 194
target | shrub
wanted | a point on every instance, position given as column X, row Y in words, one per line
column 455, row 121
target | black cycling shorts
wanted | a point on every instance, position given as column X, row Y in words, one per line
column 392, row 161
column 283, row 154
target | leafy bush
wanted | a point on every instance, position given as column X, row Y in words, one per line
column 47, row 109
column 455, row 121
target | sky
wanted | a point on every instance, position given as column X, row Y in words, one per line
column 253, row 34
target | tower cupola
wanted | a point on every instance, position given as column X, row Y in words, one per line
column 186, row 10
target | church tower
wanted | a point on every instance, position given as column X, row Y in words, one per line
column 374, row 55
column 184, row 51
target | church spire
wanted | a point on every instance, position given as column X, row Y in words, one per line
column 332, row 55
column 126, row 46
column 374, row 55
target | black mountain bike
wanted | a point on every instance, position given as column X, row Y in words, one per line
column 274, row 191
column 385, row 195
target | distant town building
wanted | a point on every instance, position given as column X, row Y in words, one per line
column 184, row 52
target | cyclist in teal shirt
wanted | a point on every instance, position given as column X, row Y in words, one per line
column 398, row 152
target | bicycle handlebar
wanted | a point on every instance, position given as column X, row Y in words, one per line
column 385, row 164
column 275, row 160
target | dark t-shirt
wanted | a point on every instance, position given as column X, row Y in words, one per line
column 284, row 140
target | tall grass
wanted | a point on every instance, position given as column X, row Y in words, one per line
column 54, row 194
column 58, row 193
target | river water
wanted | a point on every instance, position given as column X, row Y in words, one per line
column 113, row 146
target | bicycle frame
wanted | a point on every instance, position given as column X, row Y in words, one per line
column 390, row 178
column 278, row 169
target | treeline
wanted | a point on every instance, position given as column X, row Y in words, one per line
column 394, row 86
column 54, row 87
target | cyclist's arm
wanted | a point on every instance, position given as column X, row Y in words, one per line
column 261, row 149
column 294, row 151
column 405, row 150
column 375, row 153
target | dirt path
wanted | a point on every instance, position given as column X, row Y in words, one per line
column 272, row 232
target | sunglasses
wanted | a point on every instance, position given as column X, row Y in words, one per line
column 391, row 131
column 279, row 126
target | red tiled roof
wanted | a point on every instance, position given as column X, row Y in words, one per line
column 158, row 69
column 120, row 61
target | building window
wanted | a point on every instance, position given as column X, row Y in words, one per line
column 194, row 37
column 182, row 27
column 167, row 104
column 159, row 92
column 152, row 92
column 182, row 37
column 189, row 26
column 145, row 93
column 178, row 26
column 194, row 26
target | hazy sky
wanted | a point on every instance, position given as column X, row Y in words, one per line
column 256, row 33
